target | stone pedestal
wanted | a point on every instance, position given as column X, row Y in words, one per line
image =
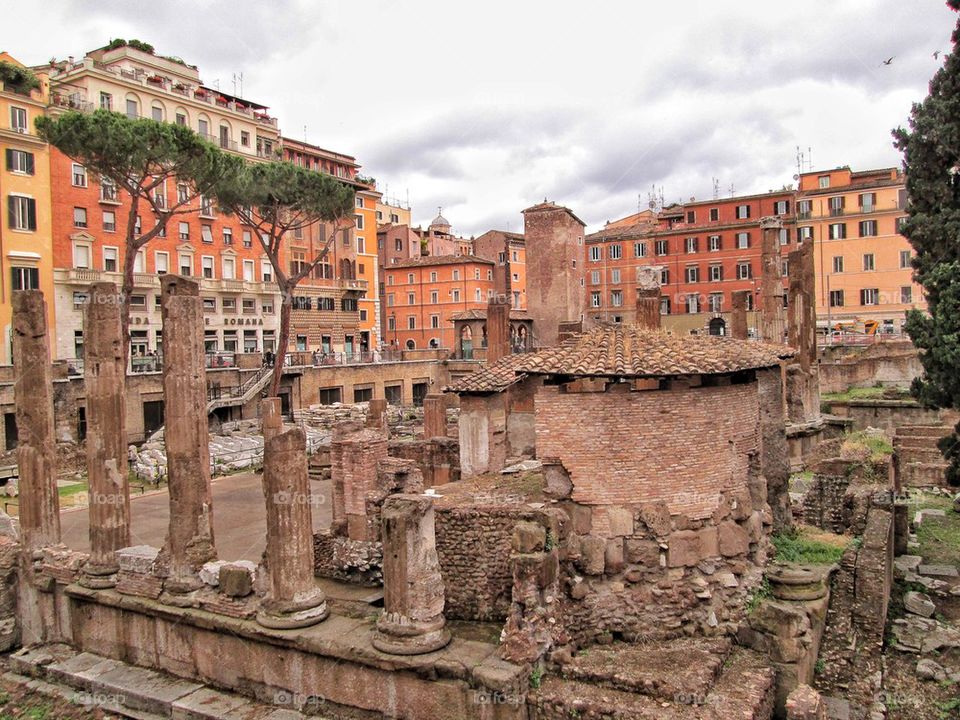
column 738, row 314
column 648, row 308
column 271, row 420
column 434, row 416
column 189, row 542
column 412, row 621
column 105, row 386
column 377, row 415
column 293, row 599
column 39, row 511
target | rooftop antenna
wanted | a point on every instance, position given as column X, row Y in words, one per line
column 238, row 79
column 809, row 158
column 716, row 188
column 731, row 189
column 305, row 135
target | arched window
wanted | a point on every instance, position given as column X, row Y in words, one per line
column 132, row 106
column 434, row 343
column 411, row 345
column 181, row 116
column 226, row 133
column 157, row 111
column 203, row 127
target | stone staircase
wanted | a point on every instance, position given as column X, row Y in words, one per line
column 920, row 463
column 243, row 394
column 685, row 679
column 134, row 692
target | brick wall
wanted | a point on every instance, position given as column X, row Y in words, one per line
column 682, row 446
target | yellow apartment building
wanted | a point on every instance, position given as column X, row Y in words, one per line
column 26, row 248
column 862, row 261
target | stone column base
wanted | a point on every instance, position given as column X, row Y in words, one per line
column 98, row 577
column 399, row 635
column 280, row 615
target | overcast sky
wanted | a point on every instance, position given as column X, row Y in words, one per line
column 488, row 107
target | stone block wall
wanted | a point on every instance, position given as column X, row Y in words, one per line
column 690, row 455
column 839, row 495
column 437, row 458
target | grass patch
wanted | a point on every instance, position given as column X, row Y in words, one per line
column 939, row 538
column 68, row 490
column 762, row 592
column 868, row 393
column 809, row 546
column 872, row 447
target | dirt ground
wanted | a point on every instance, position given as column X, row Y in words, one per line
column 18, row 702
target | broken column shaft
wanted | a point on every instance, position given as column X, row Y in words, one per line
column 738, row 315
column 412, row 620
column 803, row 312
column 498, row 328
column 189, row 542
column 39, row 510
column 293, row 599
column 771, row 283
column 648, row 308
column 434, row 416
column 105, row 385
column 271, row 420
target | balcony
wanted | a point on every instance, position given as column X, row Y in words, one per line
column 353, row 284
column 232, row 285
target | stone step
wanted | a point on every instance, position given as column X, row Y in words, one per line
column 923, row 475
column 744, row 690
column 937, row 431
column 920, row 455
column 136, row 692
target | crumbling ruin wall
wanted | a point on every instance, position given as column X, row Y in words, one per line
column 889, row 363
column 853, row 641
column 437, row 458
column 839, row 495
column 474, row 545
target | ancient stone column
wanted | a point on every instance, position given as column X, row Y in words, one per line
column 771, row 283
column 412, row 620
column 738, row 316
column 802, row 317
column 377, row 414
column 271, row 420
column 293, row 599
column 775, row 454
column 498, row 328
column 33, row 398
column 648, row 308
column 105, row 387
column 434, row 416
column 189, row 542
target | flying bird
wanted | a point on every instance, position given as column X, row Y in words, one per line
column 889, row 60
column 936, row 54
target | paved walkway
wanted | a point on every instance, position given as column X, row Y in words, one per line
column 239, row 525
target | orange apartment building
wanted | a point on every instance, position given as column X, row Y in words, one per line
column 702, row 251
column 89, row 217
column 508, row 249
column 423, row 294
column 862, row 261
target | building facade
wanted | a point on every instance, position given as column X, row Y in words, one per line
column 862, row 261
column 508, row 249
column 423, row 294
column 25, row 223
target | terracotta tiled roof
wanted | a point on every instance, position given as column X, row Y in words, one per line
column 426, row 260
column 490, row 378
column 481, row 314
column 630, row 351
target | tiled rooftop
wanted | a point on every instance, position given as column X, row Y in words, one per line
column 628, row 352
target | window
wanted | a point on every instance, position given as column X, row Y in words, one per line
column 139, row 262
column 596, row 253
column 81, row 256
column 477, row 295
column 836, row 298
column 106, row 101
column 784, row 269
column 183, row 193
column 206, row 234
column 664, row 305
column 18, row 119
column 456, row 275
column 109, row 221
column 359, row 219
column 715, row 302
column 639, row 249
column 743, row 240
column 868, row 228
column 206, row 266
column 784, row 236
column 79, row 175
column 156, row 112
column 868, row 262
column 244, row 138
column 138, row 301
column 693, row 303
column 394, row 218
column 79, row 298
column 20, row 161
column 161, row 262
column 206, row 206
column 326, row 304
column 184, row 231
column 247, row 239
column 25, row 278
column 804, row 233
column 664, row 276
column 715, row 273
column 615, row 276
column 79, row 217
column 838, row 231
column 391, row 300
column 906, row 294
column 743, row 212
column 867, row 201
column 476, row 273
column 804, row 209
column 411, row 322
column 836, row 205
column 434, row 321
column 901, row 223
column 248, row 270
column 227, row 236
column 905, row 258
column 838, row 263
column 616, row 252
column 21, row 212
column 411, row 299
column 595, row 299
column 781, row 207
column 181, row 119
column 133, row 111
column 186, row 265
column 230, row 304
column 693, row 274
column 110, row 256
column 714, row 214
column 359, row 202
column 870, row 296
column 616, row 298
column 229, row 268
column 248, row 306
column 691, row 216
column 595, row 277
column 661, row 247
column 692, row 245
column 456, row 295
column 823, row 181
column 266, row 271
column 434, row 297
column 714, row 243
column 744, row 271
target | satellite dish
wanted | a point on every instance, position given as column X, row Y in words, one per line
column 652, row 204
column 796, row 177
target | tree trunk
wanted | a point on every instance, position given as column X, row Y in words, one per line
column 126, row 289
column 286, row 305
